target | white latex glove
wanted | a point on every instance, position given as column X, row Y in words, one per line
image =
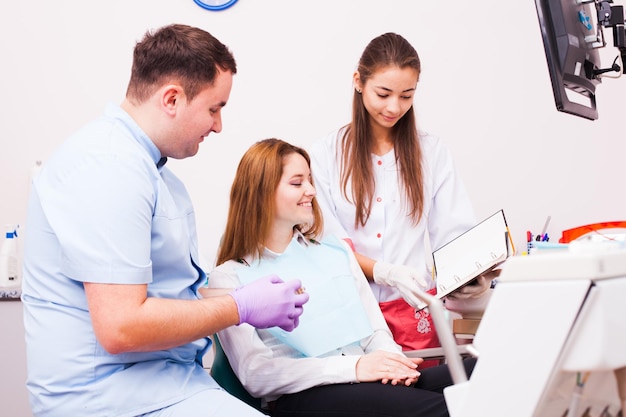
column 475, row 289
column 402, row 277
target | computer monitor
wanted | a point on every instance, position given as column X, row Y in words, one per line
column 571, row 39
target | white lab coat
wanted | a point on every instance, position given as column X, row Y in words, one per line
column 389, row 234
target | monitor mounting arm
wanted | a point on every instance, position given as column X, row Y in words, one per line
column 610, row 15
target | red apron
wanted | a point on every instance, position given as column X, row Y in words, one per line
column 410, row 330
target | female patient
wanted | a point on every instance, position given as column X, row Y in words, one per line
column 341, row 361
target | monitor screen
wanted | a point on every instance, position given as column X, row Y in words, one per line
column 571, row 39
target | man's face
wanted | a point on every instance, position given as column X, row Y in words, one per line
column 196, row 119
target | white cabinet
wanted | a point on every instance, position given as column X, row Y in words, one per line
column 13, row 394
column 553, row 321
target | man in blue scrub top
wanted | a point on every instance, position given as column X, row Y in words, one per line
column 115, row 314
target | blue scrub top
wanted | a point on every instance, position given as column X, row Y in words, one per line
column 105, row 209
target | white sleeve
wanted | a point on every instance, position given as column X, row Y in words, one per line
column 325, row 163
column 268, row 371
column 381, row 338
column 451, row 212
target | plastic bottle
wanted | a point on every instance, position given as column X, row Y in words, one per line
column 8, row 259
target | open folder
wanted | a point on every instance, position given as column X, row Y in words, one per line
column 475, row 252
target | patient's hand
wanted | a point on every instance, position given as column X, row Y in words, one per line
column 388, row 367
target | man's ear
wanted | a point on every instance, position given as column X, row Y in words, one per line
column 171, row 96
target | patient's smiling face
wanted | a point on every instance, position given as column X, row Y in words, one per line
column 294, row 193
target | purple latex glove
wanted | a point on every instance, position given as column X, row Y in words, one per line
column 269, row 302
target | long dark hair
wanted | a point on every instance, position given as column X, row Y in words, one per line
column 386, row 50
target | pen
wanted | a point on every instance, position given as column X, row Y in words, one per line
column 545, row 226
column 509, row 239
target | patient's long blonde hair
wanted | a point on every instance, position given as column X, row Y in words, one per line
column 252, row 200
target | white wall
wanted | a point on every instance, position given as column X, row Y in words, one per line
column 484, row 89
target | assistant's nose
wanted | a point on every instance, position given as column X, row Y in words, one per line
column 393, row 106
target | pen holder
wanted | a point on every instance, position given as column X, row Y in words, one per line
column 539, row 248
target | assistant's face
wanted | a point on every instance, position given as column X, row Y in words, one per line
column 389, row 94
column 197, row 119
column 295, row 193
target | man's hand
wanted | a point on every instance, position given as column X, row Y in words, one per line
column 269, row 302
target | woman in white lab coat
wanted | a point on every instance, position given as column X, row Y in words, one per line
column 391, row 190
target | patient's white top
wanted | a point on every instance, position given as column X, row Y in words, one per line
column 268, row 368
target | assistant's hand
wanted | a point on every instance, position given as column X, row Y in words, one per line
column 387, row 367
column 269, row 302
column 402, row 277
column 475, row 289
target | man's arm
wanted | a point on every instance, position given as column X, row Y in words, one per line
column 125, row 319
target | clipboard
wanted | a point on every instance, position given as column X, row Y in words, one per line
column 484, row 247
